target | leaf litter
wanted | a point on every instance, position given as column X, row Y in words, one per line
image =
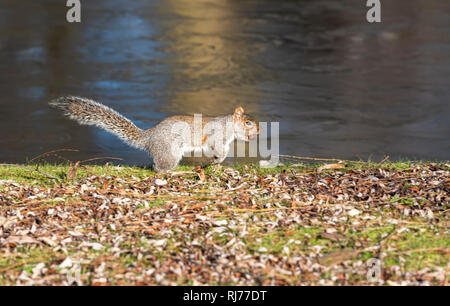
column 228, row 226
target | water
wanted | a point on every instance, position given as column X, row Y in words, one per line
column 339, row 86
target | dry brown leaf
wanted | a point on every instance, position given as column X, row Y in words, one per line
column 294, row 204
column 198, row 206
column 100, row 284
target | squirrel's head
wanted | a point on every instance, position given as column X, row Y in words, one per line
column 245, row 128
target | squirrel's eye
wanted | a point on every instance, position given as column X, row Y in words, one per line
column 248, row 123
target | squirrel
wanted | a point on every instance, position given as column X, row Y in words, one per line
column 170, row 139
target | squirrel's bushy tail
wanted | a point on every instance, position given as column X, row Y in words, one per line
column 89, row 112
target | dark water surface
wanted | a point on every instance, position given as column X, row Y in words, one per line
column 339, row 86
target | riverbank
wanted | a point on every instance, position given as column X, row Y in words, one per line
column 347, row 224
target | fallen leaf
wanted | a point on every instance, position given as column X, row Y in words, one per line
column 354, row 212
column 67, row 263
column 160, row 182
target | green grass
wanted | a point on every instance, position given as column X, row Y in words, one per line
column 419, row 245
column 125, row 172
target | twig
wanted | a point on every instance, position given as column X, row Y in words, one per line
column 97, row 158
column 384, row 159
column 63, row 158
column 25, row 261
column 50, row 152
column 177, row 173
column 383, row 242
column 322, row 159
column 423, row 250
column 41, row 172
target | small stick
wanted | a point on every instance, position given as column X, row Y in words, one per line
column 50, row 152
column 384, row 159
column 384, row 242
column 97, row 158
column 423, row 250
column 323, row 159
column 41, row 172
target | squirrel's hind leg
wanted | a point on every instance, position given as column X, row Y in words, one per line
column 165, row 160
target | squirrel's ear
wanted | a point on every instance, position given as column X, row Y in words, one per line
column 238, row 112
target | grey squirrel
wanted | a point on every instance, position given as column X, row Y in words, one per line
column 170, row 139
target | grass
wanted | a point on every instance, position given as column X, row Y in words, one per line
column 273, row 227
column 60, row 170
column 28, row 176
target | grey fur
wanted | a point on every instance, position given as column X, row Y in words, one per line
column 169, row 140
